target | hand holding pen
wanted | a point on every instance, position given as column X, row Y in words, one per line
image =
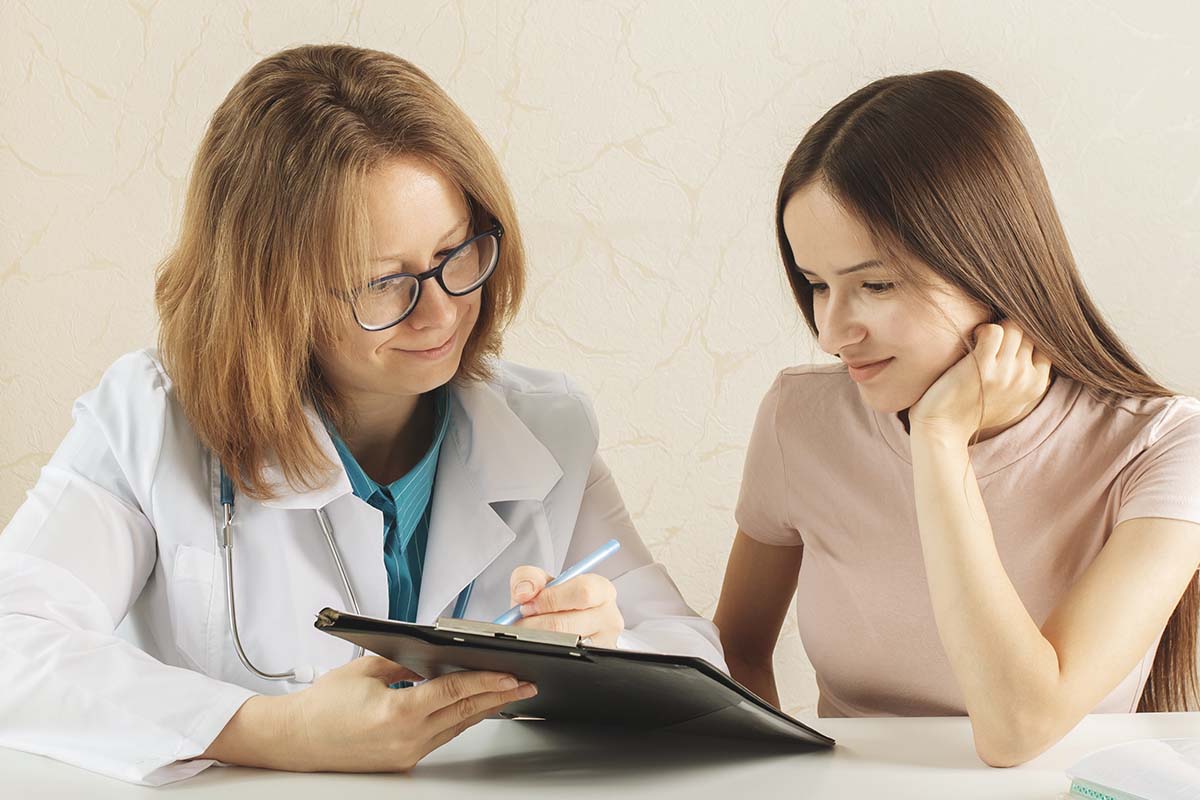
column 577, row 601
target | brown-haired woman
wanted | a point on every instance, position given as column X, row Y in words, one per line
column 989, row 508
column 326, row 376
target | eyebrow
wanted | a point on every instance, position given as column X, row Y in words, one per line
column 446, row 237
column 874, row 262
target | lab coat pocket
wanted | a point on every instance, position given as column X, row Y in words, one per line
column 191, row 598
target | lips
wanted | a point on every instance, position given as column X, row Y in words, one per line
column 430, row 349
column 865, row 363
column 862, row 371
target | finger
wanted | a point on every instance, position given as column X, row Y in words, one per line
column 446, row 690
column 1011, row 343
column 1009, row 325
column 1025, row 351
column 388, row 671
column 583, row 591
column 585, row 622
column 444, row 735
column 477, row 706
column 1043, row 365
column 988, row 338
column 525, row 582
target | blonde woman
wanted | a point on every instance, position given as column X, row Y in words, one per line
column 326, row 377
column 989, row 508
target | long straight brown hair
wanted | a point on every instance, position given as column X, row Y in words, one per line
column 275, row 235
column 940, row 169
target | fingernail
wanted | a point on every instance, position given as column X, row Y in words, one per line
column 508, row 683
column 527, row 690
column 523, row 591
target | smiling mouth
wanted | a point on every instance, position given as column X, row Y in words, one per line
column 867, row 371
column 435, row 349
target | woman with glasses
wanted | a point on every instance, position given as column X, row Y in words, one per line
column 324, row 423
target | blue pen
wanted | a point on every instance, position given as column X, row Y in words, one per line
column 606, row 550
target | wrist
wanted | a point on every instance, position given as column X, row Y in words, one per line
column 937, row 434
column 257, row 735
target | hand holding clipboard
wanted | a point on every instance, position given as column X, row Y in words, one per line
column 577, row 682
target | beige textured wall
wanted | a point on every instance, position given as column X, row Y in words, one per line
column 643, row 142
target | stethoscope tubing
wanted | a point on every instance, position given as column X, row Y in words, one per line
column 225, row 542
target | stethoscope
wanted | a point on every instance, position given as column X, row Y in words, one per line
column 225, row 541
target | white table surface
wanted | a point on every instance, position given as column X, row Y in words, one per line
column 885, row 758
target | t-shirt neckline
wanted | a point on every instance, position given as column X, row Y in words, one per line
column 1005, row 448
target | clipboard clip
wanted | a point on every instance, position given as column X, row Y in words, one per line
column 493, row 631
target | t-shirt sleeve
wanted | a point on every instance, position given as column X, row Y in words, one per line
column 1164, row 480
column 762, row 505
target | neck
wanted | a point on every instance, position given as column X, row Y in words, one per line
column 388, row 435
column 996, row 430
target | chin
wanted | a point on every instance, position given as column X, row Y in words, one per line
column 406, row 377
column 887, row 402
column 438, row 374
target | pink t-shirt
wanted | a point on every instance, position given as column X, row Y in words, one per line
column 826, row 472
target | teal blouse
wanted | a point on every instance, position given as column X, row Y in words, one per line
column 405, row 504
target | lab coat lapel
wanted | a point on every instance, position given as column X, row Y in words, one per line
column 357, row 527
column 489, row 456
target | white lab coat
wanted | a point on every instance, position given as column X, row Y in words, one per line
column 115, row 652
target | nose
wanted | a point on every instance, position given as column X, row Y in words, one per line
column 839, row 323
column 435, row 309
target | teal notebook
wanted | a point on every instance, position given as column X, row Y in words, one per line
column 1150, row 769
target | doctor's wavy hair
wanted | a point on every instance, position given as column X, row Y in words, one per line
column 275, row 234
column 940, row 169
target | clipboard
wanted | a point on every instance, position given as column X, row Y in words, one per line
column 580, row 683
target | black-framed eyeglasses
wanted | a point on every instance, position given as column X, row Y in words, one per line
column 388, row 300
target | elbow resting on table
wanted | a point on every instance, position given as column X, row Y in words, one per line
column 1017, row 737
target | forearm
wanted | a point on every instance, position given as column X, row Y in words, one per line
column 130, row 716
column 257, row 736
column 758, row 676
column 760, row 581
column 1007, row 670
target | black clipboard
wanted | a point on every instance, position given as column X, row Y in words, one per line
column 580, row 683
